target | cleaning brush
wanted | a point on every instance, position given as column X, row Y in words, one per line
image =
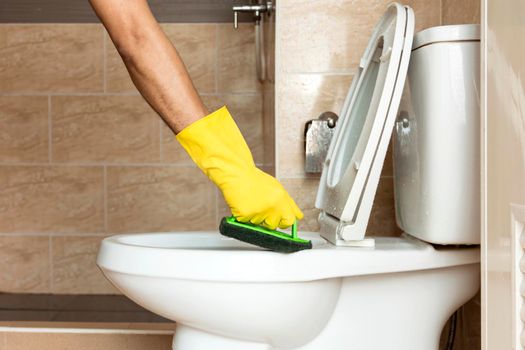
column 263, row 237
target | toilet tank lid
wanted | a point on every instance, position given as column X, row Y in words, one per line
column 460, row 32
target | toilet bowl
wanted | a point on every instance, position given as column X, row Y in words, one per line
column 225, row 294
column 349, row 291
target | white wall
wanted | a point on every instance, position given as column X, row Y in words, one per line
column 503, row 105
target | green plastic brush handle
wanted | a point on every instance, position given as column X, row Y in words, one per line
column 293, row 235
column 294, row 229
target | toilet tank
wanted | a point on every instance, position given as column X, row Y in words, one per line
column 436, row 141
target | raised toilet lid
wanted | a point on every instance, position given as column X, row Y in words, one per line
column 357, row 152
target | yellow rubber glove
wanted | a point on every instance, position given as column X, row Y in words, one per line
column 216, row 145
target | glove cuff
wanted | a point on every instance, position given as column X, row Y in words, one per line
column 216, row 145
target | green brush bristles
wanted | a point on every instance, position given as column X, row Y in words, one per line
column 260, row 236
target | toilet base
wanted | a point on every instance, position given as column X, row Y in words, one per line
column 188, row 338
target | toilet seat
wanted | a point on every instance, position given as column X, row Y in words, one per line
column 207, row 256
column 355, row 158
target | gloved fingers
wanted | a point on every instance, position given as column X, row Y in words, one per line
column 297, row 212
column 271, row 221
column 242, row 218
column 258, row 219
column 287, row 218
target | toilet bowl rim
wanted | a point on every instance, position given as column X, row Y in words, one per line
column 391, row 255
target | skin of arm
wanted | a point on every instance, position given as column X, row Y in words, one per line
column 152, row 61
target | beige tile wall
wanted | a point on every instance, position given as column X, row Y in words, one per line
column 50, row 58
column 461, row 12
column 83, row 156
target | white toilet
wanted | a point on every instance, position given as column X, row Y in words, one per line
column 349, row 291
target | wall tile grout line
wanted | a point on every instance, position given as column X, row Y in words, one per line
column 10, row 330
column 65, row 93
column 104, row 61
column 105, row 194
column 75, row 16
column 87, row 164
column 328, row 73
column 47, row 234
column 49, row 131
column 216, row 58
column 233, row 93
column 97, row 23
column 51, row 265
column 161, row 145
column 130, row 93
column 43, row 24
column 152, row 165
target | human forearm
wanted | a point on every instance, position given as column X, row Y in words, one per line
column 153, row 63
column 214, row 142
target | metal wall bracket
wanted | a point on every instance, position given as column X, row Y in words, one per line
column 318, row 134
